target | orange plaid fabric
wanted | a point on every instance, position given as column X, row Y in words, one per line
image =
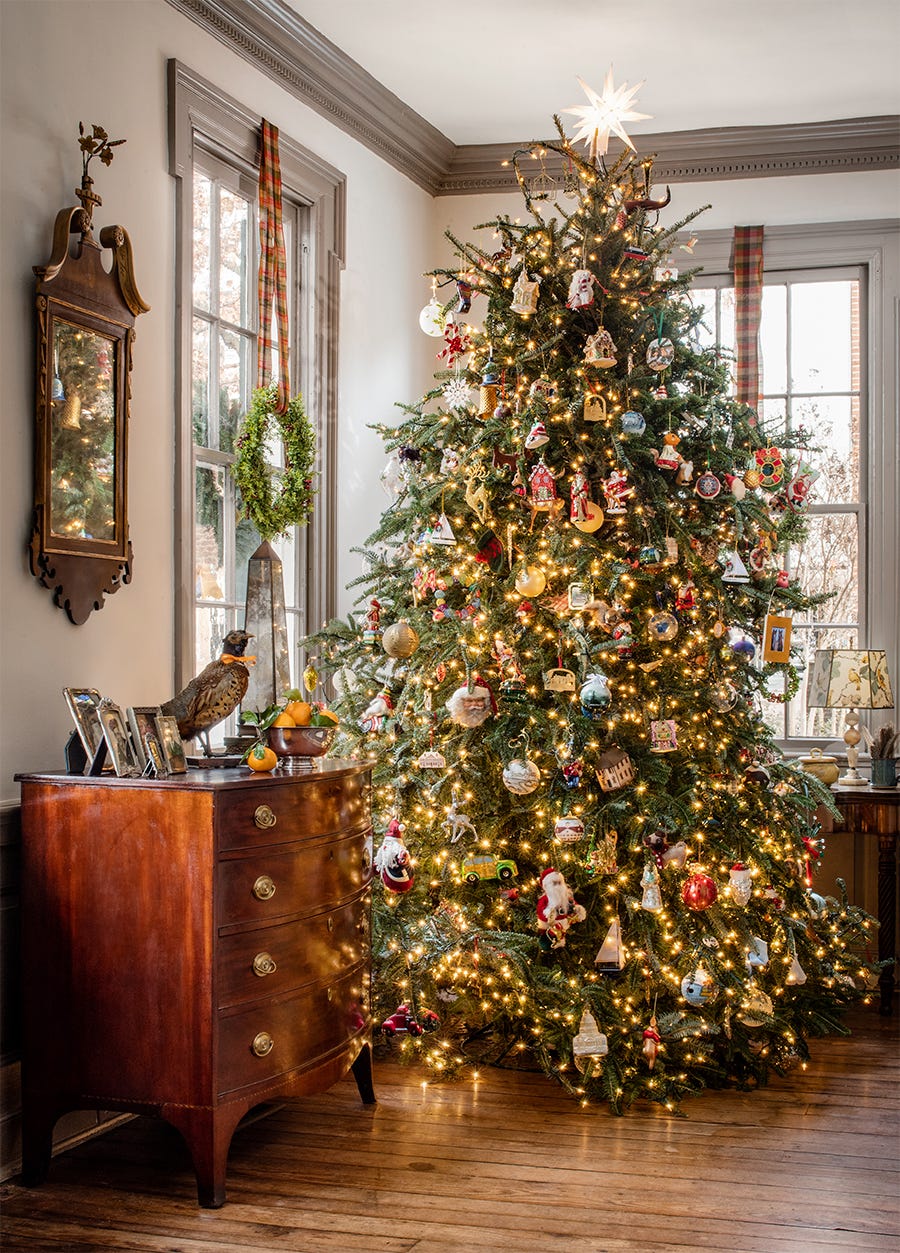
column 748, row 279
column 272, row 284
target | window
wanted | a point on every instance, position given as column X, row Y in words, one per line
column 213, row 155
column 816, row 352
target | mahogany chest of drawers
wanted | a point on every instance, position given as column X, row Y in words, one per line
column 192, row 947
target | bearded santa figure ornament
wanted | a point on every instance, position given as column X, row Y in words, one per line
column 557, row 909
column 392, row 861
column 581, row 290
column 471, row 704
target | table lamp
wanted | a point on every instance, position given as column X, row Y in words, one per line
column 851, row 679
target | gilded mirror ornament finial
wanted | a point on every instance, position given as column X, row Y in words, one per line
column 96, row 144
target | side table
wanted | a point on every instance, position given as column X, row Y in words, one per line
column 875, row 812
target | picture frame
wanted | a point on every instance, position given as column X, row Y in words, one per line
column 83, row 703
column 141, row 723
column 170, row 741
column 776, row 638
column 154, row 755
column 118, row 741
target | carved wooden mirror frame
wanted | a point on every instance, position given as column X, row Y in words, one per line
column 80, row 547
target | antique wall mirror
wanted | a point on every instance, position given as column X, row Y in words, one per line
column 80, row 547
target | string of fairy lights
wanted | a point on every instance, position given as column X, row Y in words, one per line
column 643, row 793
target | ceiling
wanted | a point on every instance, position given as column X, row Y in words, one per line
column 492, row 72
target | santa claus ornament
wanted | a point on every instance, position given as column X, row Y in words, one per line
column 377, row 712
column 740, row 883
column 581, row 290
column 557, row 909
column 472, row 704
column 392, row 861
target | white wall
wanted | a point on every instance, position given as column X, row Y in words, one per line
column 65, row 61
column 740, row 202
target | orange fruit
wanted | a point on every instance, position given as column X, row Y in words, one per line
column 327, row 713
column 284, row 720
column 300, row 711
column 262, row 758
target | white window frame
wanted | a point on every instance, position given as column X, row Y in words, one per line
column 874, row 247
column 204, row 119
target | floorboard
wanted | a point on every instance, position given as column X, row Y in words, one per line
column 507, row 1164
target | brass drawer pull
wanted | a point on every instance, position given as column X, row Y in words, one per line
column 264, row 888
column 330, row 923
column 264, row 817
column 262, row 1044
column 263, row 964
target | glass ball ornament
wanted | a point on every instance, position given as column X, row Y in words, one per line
column 400, row 640
column 741, row 644
column 595, row 695
column 700, row 891
column 663, row 626
column 432, row 319
column 521, row 776
column 698, row 987
column 530, row 581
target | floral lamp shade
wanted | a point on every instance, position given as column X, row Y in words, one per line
column 849, row 678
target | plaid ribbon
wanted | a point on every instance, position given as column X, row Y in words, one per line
column 748, row 277
column 272, row 284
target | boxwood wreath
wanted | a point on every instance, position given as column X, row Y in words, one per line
column 275, row 499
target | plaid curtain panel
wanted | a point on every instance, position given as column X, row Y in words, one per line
column 272, row 285
column 748, row 276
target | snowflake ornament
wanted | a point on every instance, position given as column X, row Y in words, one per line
column 457, row 394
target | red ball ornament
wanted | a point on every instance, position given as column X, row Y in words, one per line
column 700, row 891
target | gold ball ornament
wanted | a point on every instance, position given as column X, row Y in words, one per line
column 530, row 581
column 400, row 640
column 752, row 478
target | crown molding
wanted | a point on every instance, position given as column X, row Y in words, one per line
column 274, row 38
column 727, row 152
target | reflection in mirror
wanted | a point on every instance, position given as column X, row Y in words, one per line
column 82, row 434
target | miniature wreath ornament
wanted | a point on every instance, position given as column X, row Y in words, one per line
column 275, row 499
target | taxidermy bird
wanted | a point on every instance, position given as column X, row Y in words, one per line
column 214, row 693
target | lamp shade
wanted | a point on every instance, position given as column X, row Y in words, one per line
column 849, row 678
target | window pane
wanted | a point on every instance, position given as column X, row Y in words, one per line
column 822, row 316
column 726, row 318
column 202, row 241
column 234, row 357
column 704, row 298
column 773, row 411
column 234, row 224
column 833, row 425
column 247, row 540
column 773, row 338
column 827, row 561
column 209, row 532
column 210, row 629
column 200, row 382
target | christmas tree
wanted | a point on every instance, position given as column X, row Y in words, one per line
column 590, row 851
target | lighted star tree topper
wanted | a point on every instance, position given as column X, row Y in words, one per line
column 606, row 114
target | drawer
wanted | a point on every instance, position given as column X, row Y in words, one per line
column 271, row 961
column 304, row 808
column 257, row 1045
column 279, row 882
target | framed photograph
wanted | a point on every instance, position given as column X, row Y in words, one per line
column 118, row 741
column 776, row 638
column 154, row 755
column 170, row 742
column 141, row 723
column 83, row 704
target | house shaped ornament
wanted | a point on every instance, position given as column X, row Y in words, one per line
column 614, row 769
column 525, row 294
column 543, row 486
column 594, row 407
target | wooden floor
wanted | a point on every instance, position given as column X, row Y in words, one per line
column 507, row 1165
